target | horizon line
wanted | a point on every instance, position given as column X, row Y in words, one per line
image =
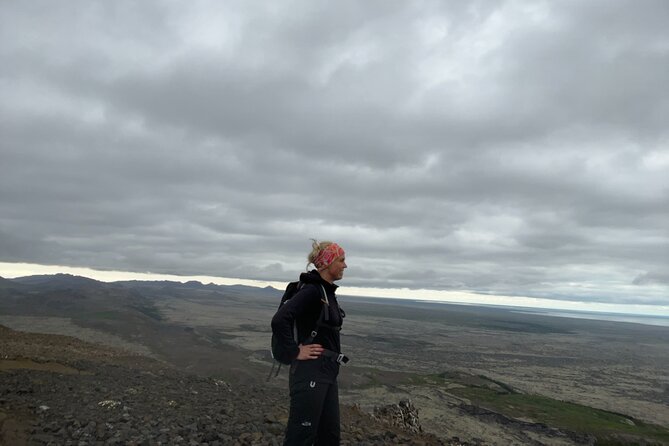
column 11, row 270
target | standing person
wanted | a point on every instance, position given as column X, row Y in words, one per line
column 314, row 395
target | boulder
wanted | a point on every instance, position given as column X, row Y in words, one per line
column 403, row 415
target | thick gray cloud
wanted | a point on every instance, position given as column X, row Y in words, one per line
column 498, row 147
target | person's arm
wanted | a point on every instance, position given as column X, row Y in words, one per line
column 282, row 326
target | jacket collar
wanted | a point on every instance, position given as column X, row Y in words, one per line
column 314, row 277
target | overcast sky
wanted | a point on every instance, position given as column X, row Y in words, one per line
column 517, row 148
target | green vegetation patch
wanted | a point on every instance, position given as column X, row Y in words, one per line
column 251, row 327
column 369, row 377
column 106, row 315
column 460, row 379
column 608, row 427
column 520, row 326
column 226, row 336
column 149, row 311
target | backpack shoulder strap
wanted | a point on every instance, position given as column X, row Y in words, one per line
column 323, row 316
column 325, row 311
column 325, row 295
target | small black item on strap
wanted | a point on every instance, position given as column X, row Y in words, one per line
column 339, row 358
column 271, row 371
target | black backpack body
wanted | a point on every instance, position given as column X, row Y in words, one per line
column 291, row 290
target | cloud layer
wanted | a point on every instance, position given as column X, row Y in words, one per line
column 515, row 147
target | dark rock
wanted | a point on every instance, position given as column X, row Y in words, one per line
column 403, row 415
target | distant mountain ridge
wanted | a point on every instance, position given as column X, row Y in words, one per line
column 61, row 279
column 8, row 284
column 70, row 280
column 95, row 303
column 131, row 310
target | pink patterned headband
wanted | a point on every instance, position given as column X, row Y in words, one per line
column 328, row 255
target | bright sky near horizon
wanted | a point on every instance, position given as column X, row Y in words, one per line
column 13, row 270
column 507, row 148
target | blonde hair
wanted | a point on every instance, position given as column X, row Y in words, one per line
column 316, row 248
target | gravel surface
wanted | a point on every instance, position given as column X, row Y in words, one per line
column 57, row 390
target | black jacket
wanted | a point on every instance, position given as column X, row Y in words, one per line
column 304, row 308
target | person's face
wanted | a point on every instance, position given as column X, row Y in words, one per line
column 336, row 268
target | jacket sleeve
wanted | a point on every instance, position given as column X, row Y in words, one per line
column 284, row 319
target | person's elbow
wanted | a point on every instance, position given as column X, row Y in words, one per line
column 278, row 321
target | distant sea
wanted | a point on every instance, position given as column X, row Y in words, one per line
column 662, row 321
column 656, row 320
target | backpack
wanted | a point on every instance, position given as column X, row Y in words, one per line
column 291, row 290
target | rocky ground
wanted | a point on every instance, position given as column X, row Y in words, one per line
column 171, row 363
column 57, row 390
